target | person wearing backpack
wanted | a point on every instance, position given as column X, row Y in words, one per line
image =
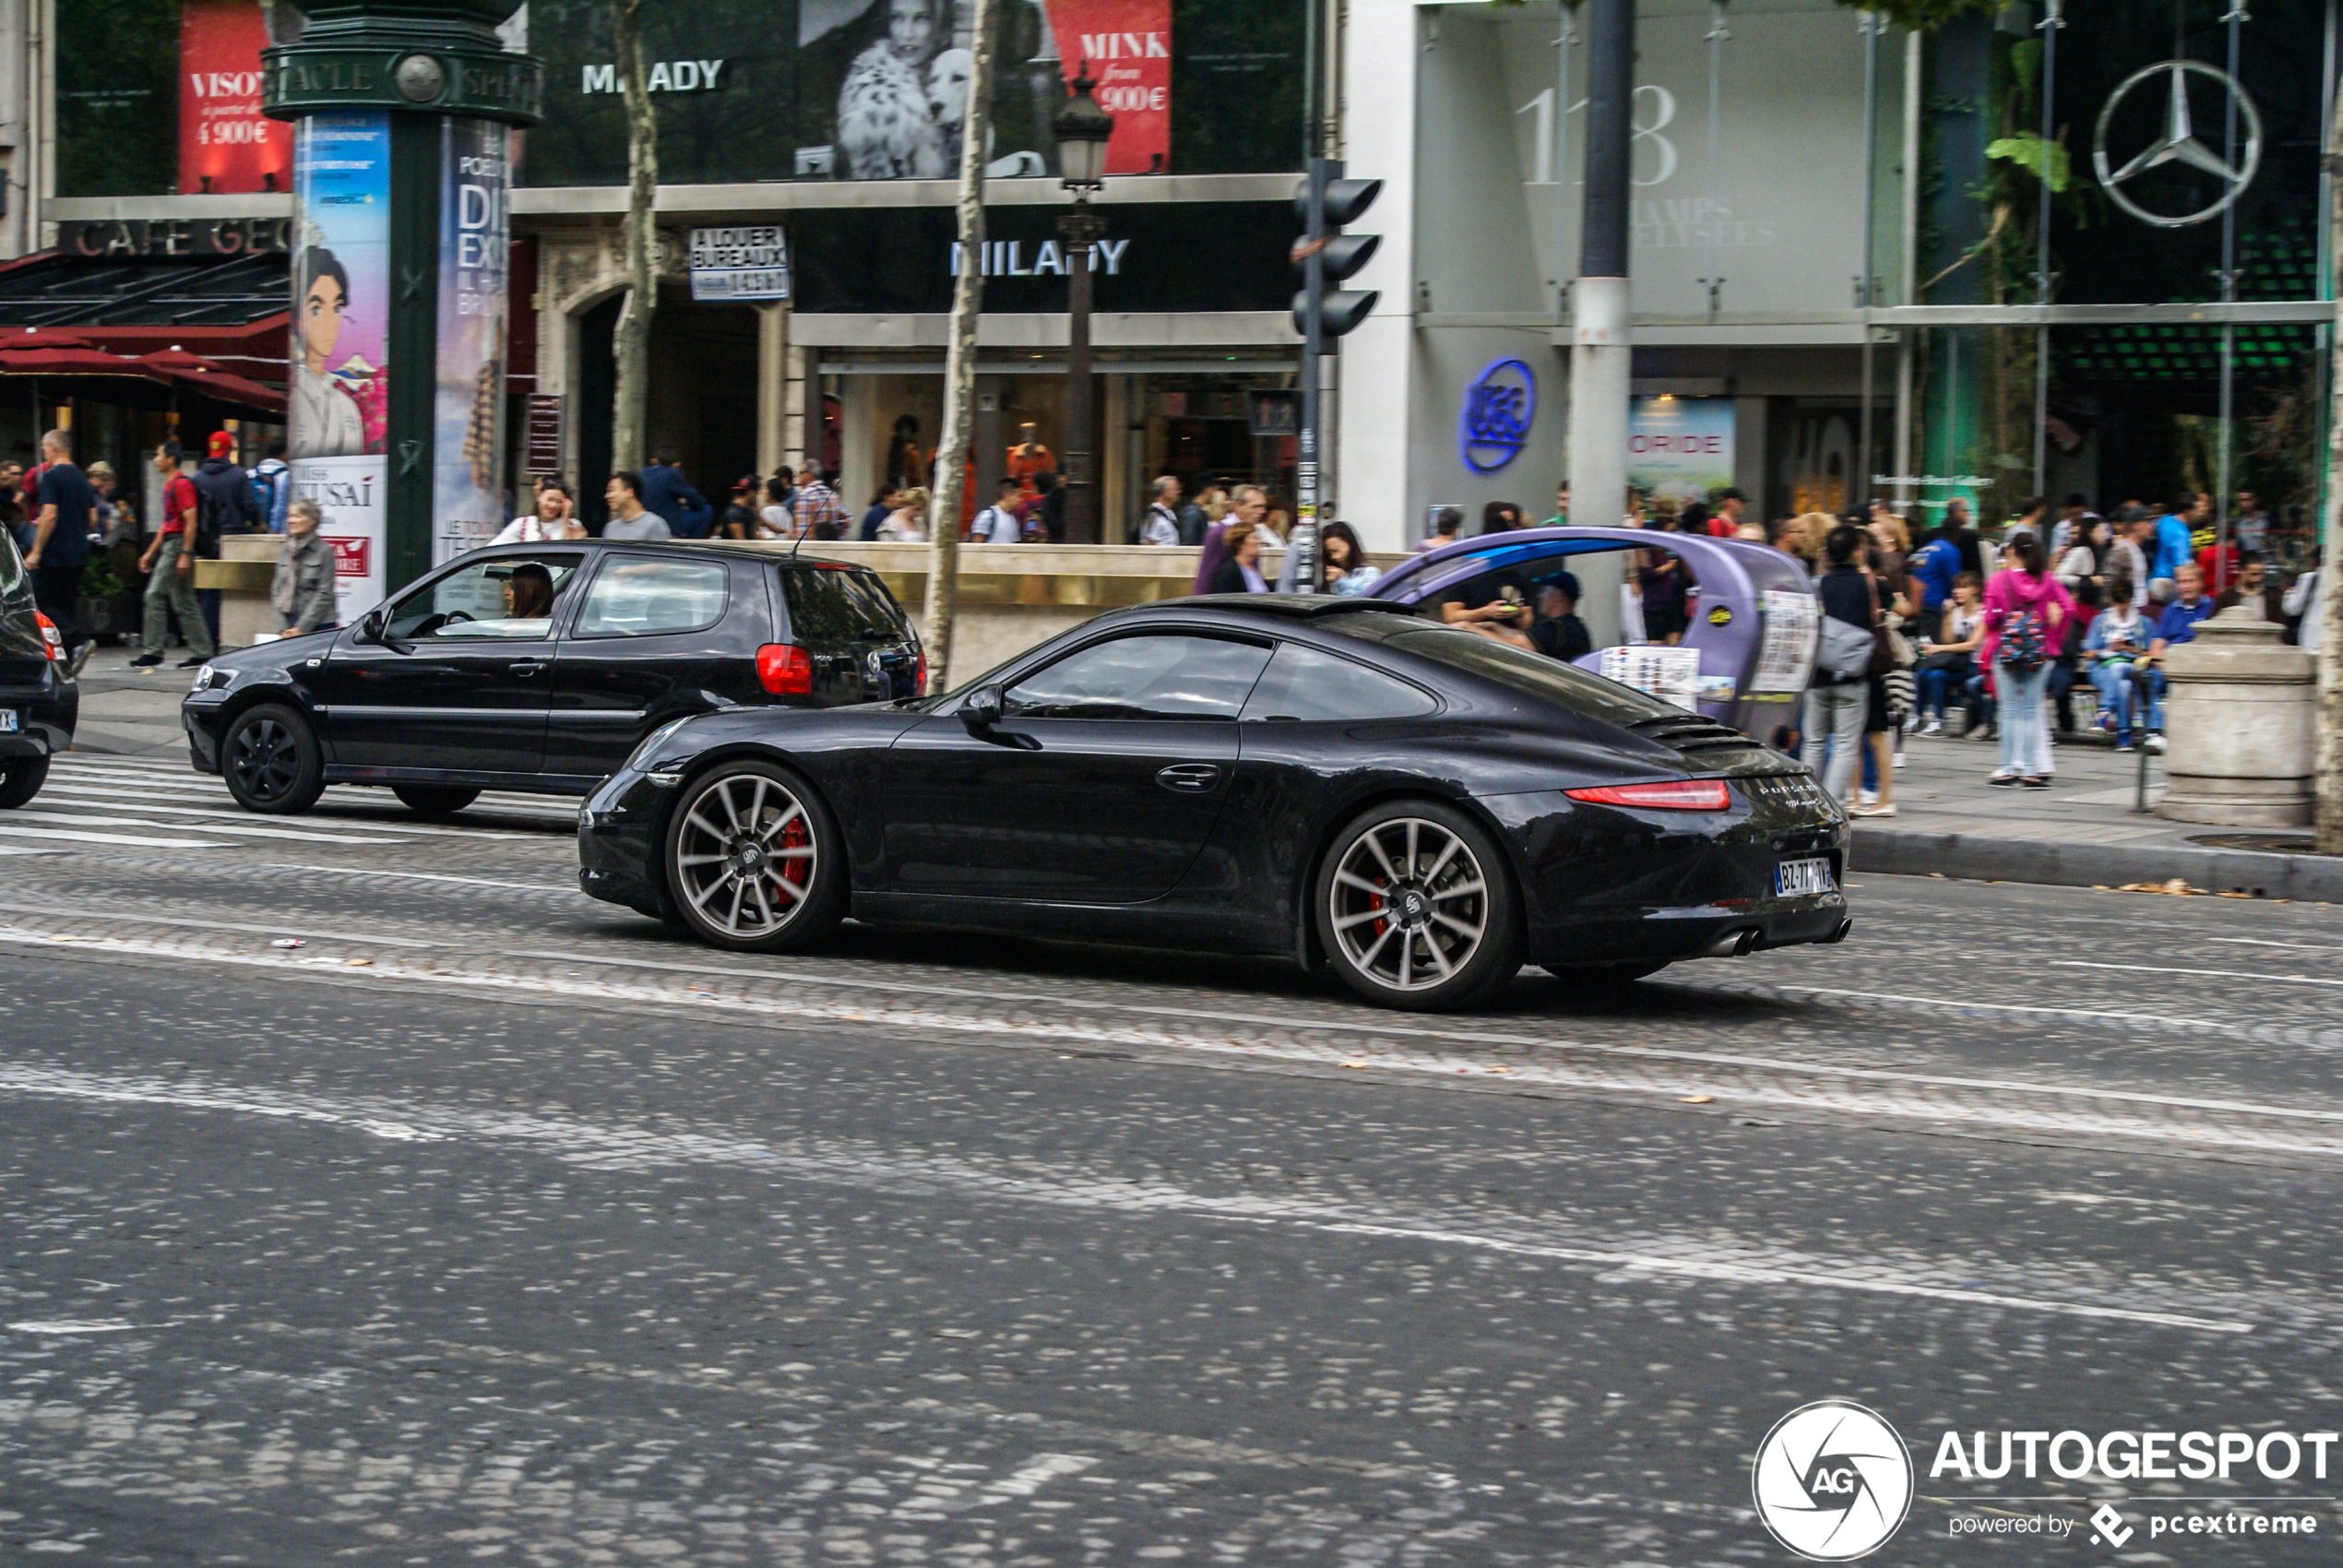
column 224, row 505
column 2027, row 615
column 272, row 488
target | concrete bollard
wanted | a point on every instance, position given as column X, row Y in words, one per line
column 2241, row 723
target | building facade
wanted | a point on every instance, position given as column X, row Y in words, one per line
column 1843, row 284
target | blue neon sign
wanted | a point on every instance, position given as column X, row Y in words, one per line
column 1498, row 409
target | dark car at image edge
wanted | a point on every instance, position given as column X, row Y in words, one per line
column 1333, row 781
column 39, row 699
column 538, row 668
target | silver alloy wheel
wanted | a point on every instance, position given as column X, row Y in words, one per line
column 746, row 855
column 1409, row 903
column 267, row 760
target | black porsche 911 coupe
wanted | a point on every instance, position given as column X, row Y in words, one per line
column 1333, row 780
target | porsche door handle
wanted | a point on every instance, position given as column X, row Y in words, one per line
column 1190, row 777
column 527, row 667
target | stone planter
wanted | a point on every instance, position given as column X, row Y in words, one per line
column 115, row 615
column 2240, row 726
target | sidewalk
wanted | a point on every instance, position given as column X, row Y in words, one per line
column 127, row 712
column 2081, row 833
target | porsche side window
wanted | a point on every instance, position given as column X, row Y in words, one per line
column 1143, row 677
column 1304, row 684
column 509, row 599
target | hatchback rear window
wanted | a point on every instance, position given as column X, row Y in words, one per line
column 827, row 606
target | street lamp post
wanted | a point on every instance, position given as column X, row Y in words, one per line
column 1081, row 128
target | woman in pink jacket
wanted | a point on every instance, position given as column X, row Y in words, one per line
column 2026, row 616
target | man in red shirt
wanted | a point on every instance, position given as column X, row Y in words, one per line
column 171, row 563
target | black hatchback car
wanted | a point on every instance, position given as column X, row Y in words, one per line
column 540, row 667
column 38, row 698
column 1335, row 780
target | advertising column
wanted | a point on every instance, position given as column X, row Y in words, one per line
column 468, row 408
column 337, row 412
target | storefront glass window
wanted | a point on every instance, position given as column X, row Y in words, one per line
column 118, row 97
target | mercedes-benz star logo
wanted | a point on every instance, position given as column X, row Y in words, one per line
column 1832, row 1481
column 2178, row 144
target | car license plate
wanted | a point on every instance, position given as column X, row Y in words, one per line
column 7, row 720
column 1800, row 879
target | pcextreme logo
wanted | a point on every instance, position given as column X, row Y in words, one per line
column 1832, row 1481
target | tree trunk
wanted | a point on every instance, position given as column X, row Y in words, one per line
column 632, row 341
column 959, row 371
column 2327, row 786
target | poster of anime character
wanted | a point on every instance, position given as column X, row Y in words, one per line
column 337, row 394
column 341, row 285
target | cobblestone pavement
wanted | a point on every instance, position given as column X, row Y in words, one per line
column 495, row 1224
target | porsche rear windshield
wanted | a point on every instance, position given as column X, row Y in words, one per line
column 1533, row 674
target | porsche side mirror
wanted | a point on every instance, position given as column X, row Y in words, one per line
column 982, row 710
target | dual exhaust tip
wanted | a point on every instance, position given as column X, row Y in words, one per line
column 1740, row 944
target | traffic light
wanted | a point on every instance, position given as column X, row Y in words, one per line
column 1326, row 255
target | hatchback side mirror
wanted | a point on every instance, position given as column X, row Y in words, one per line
column 982, row 710
column 370, row 630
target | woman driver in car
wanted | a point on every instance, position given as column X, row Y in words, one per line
column 528, row 593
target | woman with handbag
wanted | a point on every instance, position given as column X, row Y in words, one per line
column 1839, row 694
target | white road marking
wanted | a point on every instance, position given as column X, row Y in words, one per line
column 861, row 1164
column 132, row 838
column 74, row 1326
column 89, row 800
column 2263, row 942
column 428, row 876
column 2215, row 974
column 2101, row 1112
column 80, row 818
column 1970, row 1003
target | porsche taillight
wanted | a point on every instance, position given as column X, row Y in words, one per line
column 785, row 670
column 1677, row 795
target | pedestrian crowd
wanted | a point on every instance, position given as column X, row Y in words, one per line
column 2059, row 623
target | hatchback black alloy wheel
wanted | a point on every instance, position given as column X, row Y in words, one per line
column 271, row 760
column 754, row 862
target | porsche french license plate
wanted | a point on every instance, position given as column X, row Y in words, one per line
column 7, row 720
column 1798, row 879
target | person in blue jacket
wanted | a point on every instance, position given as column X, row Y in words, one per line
column 669, row 495
column 2173, row 551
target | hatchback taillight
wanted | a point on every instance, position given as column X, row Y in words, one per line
column 919, row 678
column 785, row 670
column 52, row 643
column 1683, row 795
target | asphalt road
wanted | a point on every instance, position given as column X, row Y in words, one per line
column 495, row 1224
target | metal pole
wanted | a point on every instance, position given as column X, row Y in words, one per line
column 1562, row 45
column 1603, row 353
column 1863, row 277
column 1717, row 35
column 1081, row 229
column 2049, row 25
column 1314, row 283
column 2235, row 19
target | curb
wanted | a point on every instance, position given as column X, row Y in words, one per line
column 2308, row 878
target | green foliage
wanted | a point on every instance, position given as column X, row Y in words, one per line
column 98, row 579
column 2043, row 160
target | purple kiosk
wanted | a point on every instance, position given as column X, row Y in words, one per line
column 1753, row 620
